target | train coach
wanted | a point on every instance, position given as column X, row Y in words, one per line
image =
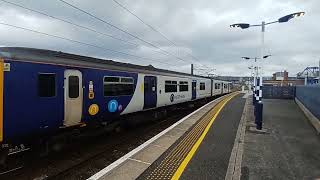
column 45, row 92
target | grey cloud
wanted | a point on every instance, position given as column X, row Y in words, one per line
column 199, row 27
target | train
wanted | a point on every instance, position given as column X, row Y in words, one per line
column 44, row 92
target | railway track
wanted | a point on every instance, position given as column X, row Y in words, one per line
column 89, row 156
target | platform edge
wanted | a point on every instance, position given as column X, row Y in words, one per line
column 234, row 166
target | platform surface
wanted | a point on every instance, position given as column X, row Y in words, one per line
column 211, row 159
column 291, row 149
column 137, row 161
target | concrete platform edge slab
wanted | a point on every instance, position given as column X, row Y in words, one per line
column 234, row 167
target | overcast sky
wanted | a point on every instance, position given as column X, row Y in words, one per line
column 200, row 28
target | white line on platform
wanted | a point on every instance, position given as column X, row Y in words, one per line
column 142, row 146
column 137, row 160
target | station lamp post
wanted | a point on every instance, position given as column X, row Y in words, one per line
column 255, row 60
column 263, row 25
column 258, row 83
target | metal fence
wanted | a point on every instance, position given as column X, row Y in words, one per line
column 309, row 96
column 278, row 92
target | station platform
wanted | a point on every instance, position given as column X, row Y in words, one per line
column 290, row 148
column 217, row 141
column 197, row 146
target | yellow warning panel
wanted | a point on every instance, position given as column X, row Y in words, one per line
column 93, row 109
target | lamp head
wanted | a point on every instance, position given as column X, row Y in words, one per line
column 245, row 57
column 290, row 16
column 266, row 56
column 241, row 25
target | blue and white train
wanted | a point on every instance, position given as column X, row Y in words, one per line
column 45, row 92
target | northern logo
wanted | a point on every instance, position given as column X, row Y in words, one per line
column 172, row 98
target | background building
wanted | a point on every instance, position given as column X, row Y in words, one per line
column 283, row 79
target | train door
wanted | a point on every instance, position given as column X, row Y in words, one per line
column 211, row 88
column 194, row 89
column 222, row 88
column 150, row 92
column 73, row 97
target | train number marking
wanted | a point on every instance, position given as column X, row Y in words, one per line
column 93, row 109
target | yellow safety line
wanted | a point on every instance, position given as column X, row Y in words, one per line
column 185, row 162
column 1, row 98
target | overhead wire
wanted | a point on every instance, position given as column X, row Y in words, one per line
column 72, row 23
column 119, row 29
column 83, row 43
column 69, row 22
column 93, row 30
column 154, row 29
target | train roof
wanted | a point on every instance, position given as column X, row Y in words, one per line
column 58, row 57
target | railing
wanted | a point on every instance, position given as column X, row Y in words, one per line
column 278, row 92
column 309, row 96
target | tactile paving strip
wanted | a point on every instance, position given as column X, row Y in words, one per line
column 168, row 165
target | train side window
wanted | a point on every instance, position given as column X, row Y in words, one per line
column 183, row 86
column 170, row 86
column 126, row 80
column 111, row 79
column 202, row 86
column 47, row 85
column 118, row 86
column 216, row 86
column 73, row 86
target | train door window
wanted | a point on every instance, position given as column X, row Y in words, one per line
column 146, row 86
column 73, row 86
column 216, row 86
column 170, row 86
column 118, row 86
column 153, row 84
column 202, row 86
column 47, row 85
column 183, row 86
